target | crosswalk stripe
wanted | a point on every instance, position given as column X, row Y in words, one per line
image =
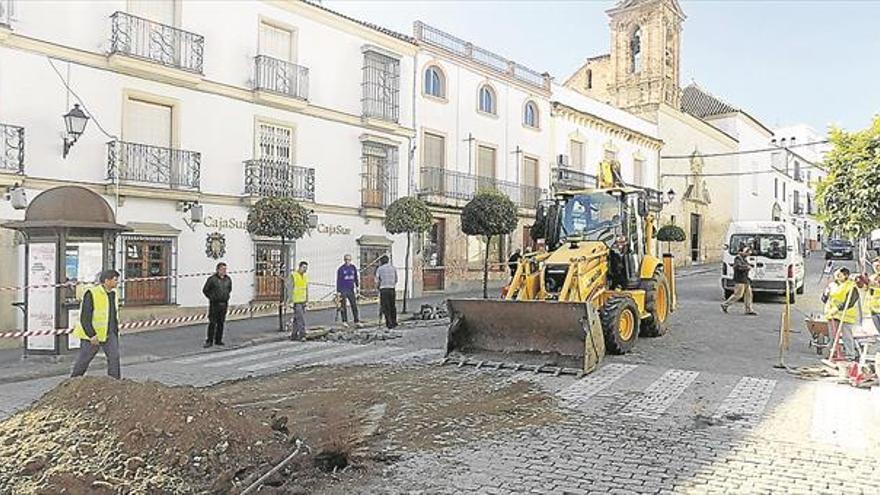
column 577, row 393
column 300, row 358
column 747, row 400
column 208, row 356
column 660, row 395
column 360, row 355
column 291, row 349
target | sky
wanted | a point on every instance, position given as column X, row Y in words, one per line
column 784, row 62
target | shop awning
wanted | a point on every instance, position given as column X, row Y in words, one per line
column 151, row 228
column 374, row 240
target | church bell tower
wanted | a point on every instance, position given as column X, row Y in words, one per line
column 645, row 55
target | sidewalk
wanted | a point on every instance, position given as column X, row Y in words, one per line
column 158, row 345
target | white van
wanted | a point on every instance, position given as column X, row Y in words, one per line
column 777, row 256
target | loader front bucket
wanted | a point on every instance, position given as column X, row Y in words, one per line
column 558, row 335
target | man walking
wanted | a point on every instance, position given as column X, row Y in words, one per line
column 386, row 275
column 299, row 283
column 346, row 289
column 217, row 289
column 98, row 326
column 743, row 289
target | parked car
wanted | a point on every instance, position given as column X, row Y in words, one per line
column 839, row 248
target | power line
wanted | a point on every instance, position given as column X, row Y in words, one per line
column 82, row 104
column 740, row 152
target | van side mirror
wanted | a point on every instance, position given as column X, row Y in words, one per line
column 725, row 247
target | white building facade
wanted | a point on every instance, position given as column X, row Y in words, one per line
column 214, row 103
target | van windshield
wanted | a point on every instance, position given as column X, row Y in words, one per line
column 771, row 246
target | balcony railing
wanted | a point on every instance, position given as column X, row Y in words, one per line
column 569, row 178
column 462, row 186
column 153, row 166
column 11, row 149
column 281, row 77
column 275, row 178
column 141, row 38
column 435, row 37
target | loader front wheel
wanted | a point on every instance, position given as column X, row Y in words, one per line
column 658, row 300
column 620, row 323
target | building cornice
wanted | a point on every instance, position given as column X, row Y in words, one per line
column 607, row 125
column 344, row 23
column 155, row 72
column 445, row 55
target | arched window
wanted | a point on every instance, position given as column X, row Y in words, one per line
column 530, row 115
column 487, row 100
column 635, row 48
column 435, row 82
column 589, row 79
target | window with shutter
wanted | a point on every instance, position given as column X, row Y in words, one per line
column 161, row 11
column 275, row 143
column 435, row 152
column 638, row 172
column 148, row 123
column 577, row 155
column 276, row 42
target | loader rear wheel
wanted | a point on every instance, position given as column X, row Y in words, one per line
column 620, row 323
column 658, row 303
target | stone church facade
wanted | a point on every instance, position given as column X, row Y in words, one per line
column 641, row 75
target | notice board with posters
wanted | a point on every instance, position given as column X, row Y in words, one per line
column 41, row 294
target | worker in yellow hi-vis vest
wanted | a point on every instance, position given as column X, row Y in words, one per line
column 98, row 325
column 299, row 296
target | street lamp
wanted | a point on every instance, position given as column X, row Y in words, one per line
column 75, row 121
column 670, row 195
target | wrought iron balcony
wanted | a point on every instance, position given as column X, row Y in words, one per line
column 141, row 38
column 153, row 166
column 274, row 178
column 281, row 77
column 462, row 186
column 569, row 178
column 440, row 39
column 11, row 149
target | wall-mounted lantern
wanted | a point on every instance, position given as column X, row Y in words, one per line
column 75, row 122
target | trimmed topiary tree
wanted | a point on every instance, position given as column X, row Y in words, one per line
column 408, row 215
column 283, row 218
column 488, row 214
column 669, row 234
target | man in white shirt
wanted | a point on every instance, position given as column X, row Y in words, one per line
column 386, row 275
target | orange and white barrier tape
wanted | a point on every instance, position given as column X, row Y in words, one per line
column 136, row 279
column 131, row 325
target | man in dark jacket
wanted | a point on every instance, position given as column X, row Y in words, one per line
column 513, row 262
column 217, row 289
column 743, row 289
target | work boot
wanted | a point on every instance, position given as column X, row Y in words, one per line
column 724, row 308
column 751, row 313
column 208, row 344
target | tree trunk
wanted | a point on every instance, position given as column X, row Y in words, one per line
column 486, row 269
column 406, row 273
column 283, row 285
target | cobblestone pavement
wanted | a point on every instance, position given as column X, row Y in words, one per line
column 701, row 410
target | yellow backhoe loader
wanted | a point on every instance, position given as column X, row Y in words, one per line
column 596, row 287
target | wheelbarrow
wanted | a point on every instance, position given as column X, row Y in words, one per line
column 820, row 334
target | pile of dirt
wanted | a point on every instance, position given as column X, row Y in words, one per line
column 98, row 435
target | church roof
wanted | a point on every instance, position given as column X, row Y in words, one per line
column 628, row 4
column 701, row 104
